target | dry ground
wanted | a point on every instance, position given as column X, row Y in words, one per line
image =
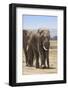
column 52, row 61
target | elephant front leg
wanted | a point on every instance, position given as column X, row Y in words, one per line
column 30, row 57
column 48, row 59
column 43, row 61
column 26, row 58
column 37, row 60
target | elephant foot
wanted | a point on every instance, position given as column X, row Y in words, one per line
column 48, row 67
column 27, row 65
column 30, row 65
column 43, row 66
column 37, row 66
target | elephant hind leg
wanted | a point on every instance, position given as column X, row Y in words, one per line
column 30, row 57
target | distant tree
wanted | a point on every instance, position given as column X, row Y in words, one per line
column 53, row 38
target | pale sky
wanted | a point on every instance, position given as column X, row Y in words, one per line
column 36, row 22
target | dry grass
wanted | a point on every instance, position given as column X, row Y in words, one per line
column 52, row 61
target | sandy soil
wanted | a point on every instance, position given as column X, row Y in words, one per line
column 52, row 60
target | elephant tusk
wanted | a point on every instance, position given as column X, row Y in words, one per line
column 27, row 48
column 45, row 48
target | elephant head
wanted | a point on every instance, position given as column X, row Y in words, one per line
column 44, row 38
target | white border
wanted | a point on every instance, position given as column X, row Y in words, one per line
column 46, row 77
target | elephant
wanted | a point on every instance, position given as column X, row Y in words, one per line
column 33, row 49
column 38, row 46
column 26, row 38
column 44, row 44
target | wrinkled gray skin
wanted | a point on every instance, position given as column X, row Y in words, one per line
column 44, row 43
column 26, row 38
column 37, row 45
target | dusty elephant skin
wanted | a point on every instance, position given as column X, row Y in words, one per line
column 36, row 44
column 26, row 38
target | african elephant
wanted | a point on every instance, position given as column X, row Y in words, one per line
column 44, row 43
column 26, row 38
column 38, row 46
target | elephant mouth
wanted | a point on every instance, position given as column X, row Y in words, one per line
column 44, row 48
